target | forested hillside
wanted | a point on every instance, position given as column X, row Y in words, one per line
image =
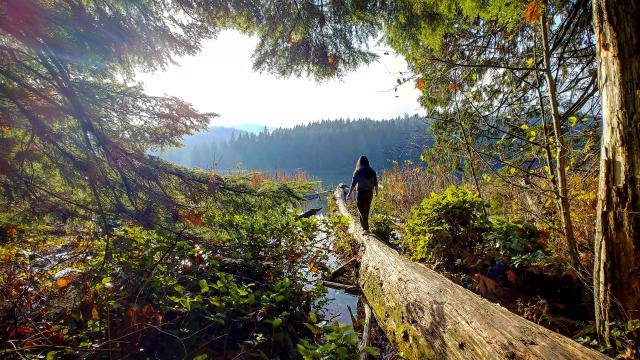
column 327, row 149
column 213, row 135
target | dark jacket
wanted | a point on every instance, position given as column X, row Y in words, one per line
column 365, row 179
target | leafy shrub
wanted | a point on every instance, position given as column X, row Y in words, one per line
column 381, row 226
column 343, row 243
column 517, row 241
column 332, row 341
column 451, row 229
column 380, row 220
column 227, row 280
column 407, row 183
column 624, row 342
column 445, row 225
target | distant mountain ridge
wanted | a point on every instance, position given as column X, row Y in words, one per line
column 326, row 149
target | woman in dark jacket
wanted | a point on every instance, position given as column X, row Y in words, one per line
column 365, row 182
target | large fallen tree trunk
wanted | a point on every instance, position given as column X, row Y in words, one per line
column 427, row 316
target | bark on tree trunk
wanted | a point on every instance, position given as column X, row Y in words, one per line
column 616, row 275
column 426, row 316
column 561, row 152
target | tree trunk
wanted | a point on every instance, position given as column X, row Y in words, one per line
column 617, row 243
column 426, row 316
column 561, row 152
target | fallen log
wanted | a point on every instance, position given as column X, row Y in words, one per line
column 342, row 268
column 427, row 316
column 309, row 213
column 351, row 289
column 315, row 195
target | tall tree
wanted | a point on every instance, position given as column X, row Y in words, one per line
column 76, row 127
column 617, row 242
column 523, row 74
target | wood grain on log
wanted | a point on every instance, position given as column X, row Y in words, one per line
column 427, row 316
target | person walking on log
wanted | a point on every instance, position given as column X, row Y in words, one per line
column 365, row 182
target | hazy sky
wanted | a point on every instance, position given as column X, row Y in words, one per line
column 220, row 79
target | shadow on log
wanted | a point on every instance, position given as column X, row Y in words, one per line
column 427, row 316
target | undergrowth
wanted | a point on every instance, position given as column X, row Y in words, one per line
column 228, row 281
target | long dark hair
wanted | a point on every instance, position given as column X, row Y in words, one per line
column 361, row 163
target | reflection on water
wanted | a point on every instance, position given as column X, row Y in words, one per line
column 335, row 307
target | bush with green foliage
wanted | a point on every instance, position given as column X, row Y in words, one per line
column 514, row 240
column 445, row 225
column 380, row 220
column 333, row 342
column 226, row 279
column 452, row 228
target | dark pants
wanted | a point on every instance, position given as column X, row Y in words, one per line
column 363, row 200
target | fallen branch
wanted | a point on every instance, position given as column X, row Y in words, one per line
column 340, row 269
column 352, row 289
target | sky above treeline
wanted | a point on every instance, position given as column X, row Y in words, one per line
column 220, row 79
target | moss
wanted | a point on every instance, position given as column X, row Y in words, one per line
column 409, row 343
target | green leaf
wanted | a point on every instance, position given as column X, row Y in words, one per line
column 204, row 287
column 311, row 328
column 276, row 322
column 201, row 357
column 633, row 324
column 373, row 351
